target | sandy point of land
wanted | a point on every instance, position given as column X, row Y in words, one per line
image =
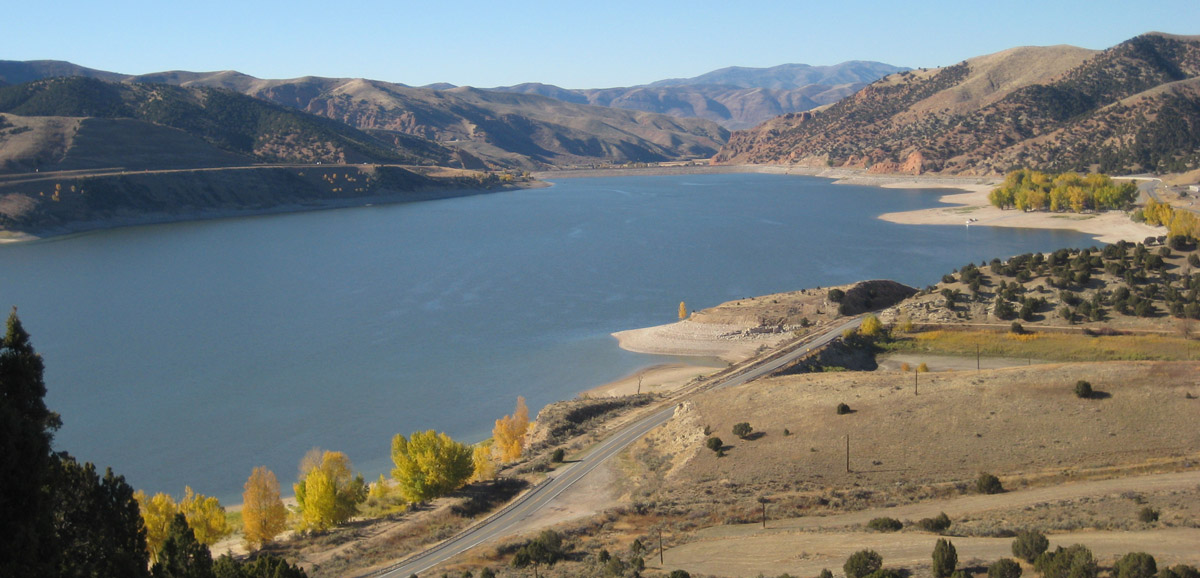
column 690, row 338
column 1107, row 227
column 664, row 378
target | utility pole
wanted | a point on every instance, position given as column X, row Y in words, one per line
column 916, row 374
column 847, row 453
column 763, row 501
column 640, row 375
column 976, row 358
column 660, row 549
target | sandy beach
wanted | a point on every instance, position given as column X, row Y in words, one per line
column 1107, row 227
column 664, row 378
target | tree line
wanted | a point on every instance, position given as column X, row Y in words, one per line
column 1029, row 190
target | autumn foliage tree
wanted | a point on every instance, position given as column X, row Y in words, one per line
column 204, row 516
column 158, row 512
column 328, row 493
column 509, row 433
column 682, row 310
column 485, row 468
column 430, row 464
column 263, row 513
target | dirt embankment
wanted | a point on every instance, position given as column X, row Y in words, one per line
column 737, row 330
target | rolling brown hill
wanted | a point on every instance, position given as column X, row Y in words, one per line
column 474, row 128
column 1131, row 108
column 79, row 123
column 504, row 129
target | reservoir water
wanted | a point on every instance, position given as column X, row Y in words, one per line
column 189, row 353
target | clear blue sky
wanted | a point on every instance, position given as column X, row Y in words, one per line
column 600, row 44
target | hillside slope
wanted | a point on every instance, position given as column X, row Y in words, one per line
column 1134, row 107
column 162, row 126
column 513, row 130
column 471, row 128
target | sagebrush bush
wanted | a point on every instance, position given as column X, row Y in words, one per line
column 1004, row 568
column 1083, row 389
column 862, row 563
column 843, row 409
column 1029, row 545
column 885, row 524
column 936, row 524
column 988, row 484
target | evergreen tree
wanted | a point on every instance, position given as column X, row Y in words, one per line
column 26, row 432
column 182, row 556
column 945, row 558
column 98, row 530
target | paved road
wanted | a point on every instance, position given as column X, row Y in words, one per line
column 502, row 523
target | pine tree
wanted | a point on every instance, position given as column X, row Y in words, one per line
column 97, row 528
column 26, row 432
column 182, row 556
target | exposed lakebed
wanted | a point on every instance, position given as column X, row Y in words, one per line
column 188, row 353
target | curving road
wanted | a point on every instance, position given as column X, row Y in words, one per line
column 502, row 523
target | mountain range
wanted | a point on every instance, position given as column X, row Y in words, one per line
column 734, row 97
column 1132, row 108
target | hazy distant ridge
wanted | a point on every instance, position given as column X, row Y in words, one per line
column 734, row 97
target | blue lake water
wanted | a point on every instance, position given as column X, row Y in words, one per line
column 190, row 353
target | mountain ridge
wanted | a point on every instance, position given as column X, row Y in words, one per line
column 1127, row 109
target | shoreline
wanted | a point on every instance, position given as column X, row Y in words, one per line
column 1105, row 227
column 215, row 214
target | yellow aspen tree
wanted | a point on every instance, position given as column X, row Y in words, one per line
column 509, row 433
column 871, row 326
column 263, row 514
column 379, row 490
column 429, row 464
column 682, row 310
column 485, row 469
column 157, row 513
column 327, row 492
column 318, row 511
column 205, row 517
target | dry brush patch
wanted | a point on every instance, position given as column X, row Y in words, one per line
column 1024, row 424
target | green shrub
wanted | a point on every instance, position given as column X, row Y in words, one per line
column 1083, row 389
column 938, row 524
column 885, row 524
column 1004, row 568
column 862, row 563
column 825, row 573
column 1029, row 545
column 945, row 558
column 988, row 484
column 558, row 456
column 715, row 444
column 836, row 295
column 1180, row 571
column 1135, row 565
column 742, row 429
column 679, row 574
column 1074, row 562
column 885, row 573
column 843, row 409
column 1147, row 515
